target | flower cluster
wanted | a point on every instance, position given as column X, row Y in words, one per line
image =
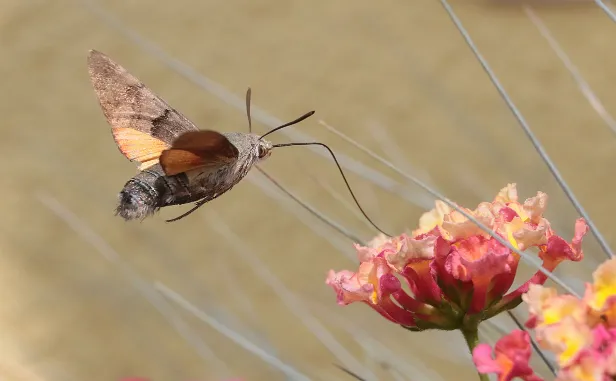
column 449, row 273
column 580, row 332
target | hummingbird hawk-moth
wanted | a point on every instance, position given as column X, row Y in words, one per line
column 178, row 163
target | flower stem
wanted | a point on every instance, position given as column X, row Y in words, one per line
column 471, row 336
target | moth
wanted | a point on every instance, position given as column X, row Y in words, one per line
column 178, row 163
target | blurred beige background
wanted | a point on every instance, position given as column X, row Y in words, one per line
column 81, row 289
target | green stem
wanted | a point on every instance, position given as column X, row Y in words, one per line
column 471, row 336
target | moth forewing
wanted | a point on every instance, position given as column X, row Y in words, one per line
column 143, row 124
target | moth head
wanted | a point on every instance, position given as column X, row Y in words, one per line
column 264, row 149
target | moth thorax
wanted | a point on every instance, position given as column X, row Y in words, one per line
column 264, row 149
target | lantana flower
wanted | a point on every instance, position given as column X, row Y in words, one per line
column 450, row 274
column 580, row 332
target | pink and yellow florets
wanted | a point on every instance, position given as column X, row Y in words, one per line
column 580, row 332
column 449, row 269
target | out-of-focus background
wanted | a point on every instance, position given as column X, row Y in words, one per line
column 237, row 289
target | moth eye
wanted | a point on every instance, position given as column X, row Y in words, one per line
column 262, row 152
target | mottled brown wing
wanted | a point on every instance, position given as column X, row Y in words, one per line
column 143, row 125
column 198, row 149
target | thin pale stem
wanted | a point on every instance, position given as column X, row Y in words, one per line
column 583, row 85
column 538, row 146
column 608, row 11
column 233, row 335
column 383, row 353
column 270, row 190
column 293, row 304
column 328, row 221
column 105, row 250
column 527, row 130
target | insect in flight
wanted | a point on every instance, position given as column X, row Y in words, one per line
column 178, row 163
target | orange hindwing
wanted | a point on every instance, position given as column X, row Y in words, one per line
column 139, row 146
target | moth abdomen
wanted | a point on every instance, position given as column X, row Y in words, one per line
column 137, row 200
column 150, row 190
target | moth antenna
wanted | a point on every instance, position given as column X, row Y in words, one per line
column 248, row 96
column 341, row 173
column 306, row 115
column 197, row 206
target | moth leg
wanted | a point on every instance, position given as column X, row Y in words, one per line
column 199, row 204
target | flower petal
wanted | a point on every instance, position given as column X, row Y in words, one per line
column 512, row 354
column 482, row 357
column 456, row 226
column 590, row 366
column 558, row 250
column 523, row 235
column 347, row 287
column 433, row 218
column 478, row 260
column 534, row 207
column 414, row 260
column 604, row 285
column 373, row 284
column 412, row 250
column 567, row 339
column 379, row 246
column 507, row 194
